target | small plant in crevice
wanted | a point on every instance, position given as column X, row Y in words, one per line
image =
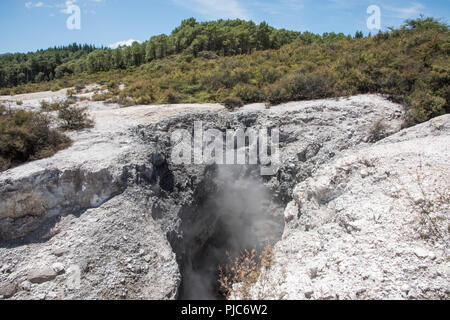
column 432, row 205
column 239, row 275
column 378, row 131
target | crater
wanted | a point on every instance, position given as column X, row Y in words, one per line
column 232, row 211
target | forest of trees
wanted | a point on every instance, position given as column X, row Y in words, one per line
column 19, row 68
column 223, row 37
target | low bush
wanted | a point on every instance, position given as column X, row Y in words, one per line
column 27, row 136
column 232, row 102
column 74, row 118
column 424, row 105
column 299, row 86
column 247, row 93
column 169, row 96
column 70, row 93
column 50, row 106
column 79, row 89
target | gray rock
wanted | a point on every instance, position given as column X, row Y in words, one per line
column 59, row 252
column 25, row 285
column 8, row 290
column 6, row 269
column 41, row 275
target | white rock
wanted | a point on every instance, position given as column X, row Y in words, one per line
column 25, row 285
column 432, row 255
column 364, row 173
column 405, row 288
column 58, row 267
column 421, row 253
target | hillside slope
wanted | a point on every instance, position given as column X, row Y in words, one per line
column 409, row 64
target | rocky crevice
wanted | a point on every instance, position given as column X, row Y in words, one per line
column 138, row 226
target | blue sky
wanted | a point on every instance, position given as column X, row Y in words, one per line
column 28, row 25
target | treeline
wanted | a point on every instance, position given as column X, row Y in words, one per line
column 410, row 64
column 222, row 37
column 20, row 68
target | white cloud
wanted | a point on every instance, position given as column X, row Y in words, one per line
column 122, row 43
column 67, row 6
column 30, row 4
column 64, row 7
column 406, row 13
column 215, row 9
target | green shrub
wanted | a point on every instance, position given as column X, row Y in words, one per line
column 74, row 118
column 170, row 96
column 424, row 105
column 27, row 136
column 112, row 85
column 277, row 94
column 19, row 102
column 70, row 93
column 143, row 100
column 308, row 86
column 100, row 97
column 5, row 91
column 53, row 106
column 247, row 93
column 299, row 86
column 268, row 75
column 79, row 89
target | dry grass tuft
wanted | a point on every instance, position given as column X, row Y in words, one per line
column 240, row 274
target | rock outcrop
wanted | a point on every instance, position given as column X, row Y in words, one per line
column 111, row 217
column 373, row 224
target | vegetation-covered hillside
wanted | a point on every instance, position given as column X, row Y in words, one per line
column 40, row 66
column 224, row 37
column 237, row 62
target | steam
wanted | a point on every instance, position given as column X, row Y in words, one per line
column 238, row 214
